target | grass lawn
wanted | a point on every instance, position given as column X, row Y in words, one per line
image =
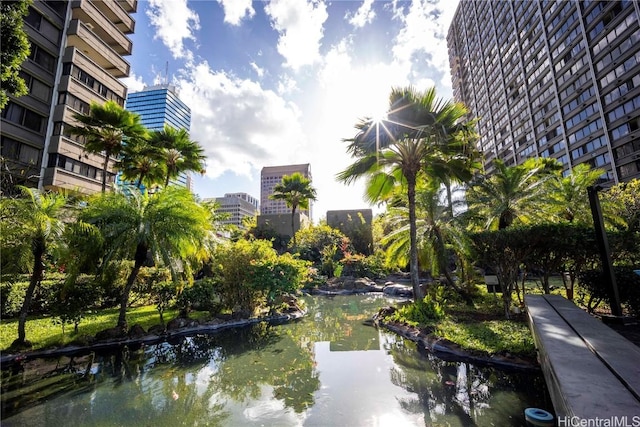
column 43, row 332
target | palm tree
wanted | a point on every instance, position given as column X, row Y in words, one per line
column 296, row 191
column 106, row 128
column 438, row 234
column 180, row 153
column 421, row 131
column 141, row 162
column 511, row 193
column 170, row 225
column 569, row 193
column 36, row 222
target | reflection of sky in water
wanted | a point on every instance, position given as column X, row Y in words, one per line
column 327, row 370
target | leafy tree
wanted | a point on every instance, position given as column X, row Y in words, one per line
column 296, row 191
column 106, row 129
column 15, row 48
column 624, row 198
column 510, row 194
column 179, row 153
column 38, row 220
column 313, row 240
column 421, row 131
column 169, row 225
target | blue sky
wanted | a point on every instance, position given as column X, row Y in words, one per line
column 283, row 82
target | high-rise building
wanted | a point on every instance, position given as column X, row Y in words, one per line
column 76, row 57
column 160, row 105
column 238, row 206
column 557, row 79
column 270, row 176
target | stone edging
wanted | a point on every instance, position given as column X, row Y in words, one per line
column 448, row 351
column 6, row 359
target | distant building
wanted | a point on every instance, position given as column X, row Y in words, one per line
column 77, row 51
column 556, row 79
column 238, row 206
column 356, row 225
column 269, row 178
column 160, row 105
column 281, row 223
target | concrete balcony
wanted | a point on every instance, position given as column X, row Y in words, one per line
column 116, row 14
column 87, row 12
column 130, row 6
column 81, row 60
column 85, row 40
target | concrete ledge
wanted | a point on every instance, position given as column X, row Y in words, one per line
column 591, row 371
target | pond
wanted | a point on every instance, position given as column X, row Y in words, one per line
column 329, row 369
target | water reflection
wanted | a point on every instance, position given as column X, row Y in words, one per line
column 329, row 369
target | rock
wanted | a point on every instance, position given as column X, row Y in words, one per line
column 111, row 334
column 177, row 323
column 398, row 290
column 136, row 331
column 363, row 283
column 83, row 341
column 156, row 330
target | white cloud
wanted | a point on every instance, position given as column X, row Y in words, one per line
column 174, row 23
column 241, row 125
column 364, row 15
column 236, row 10
column 300, row 25
column 259, row 71
column 424, row 32
column 134, row 83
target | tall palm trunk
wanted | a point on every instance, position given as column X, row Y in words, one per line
column 293, row 229
column 140, row 258
column 39, row 248
column 413, row 238
column 107, row 155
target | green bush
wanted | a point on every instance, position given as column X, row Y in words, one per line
column 13, row 290
column 423, row 312
column 201, row 296
column 628, row 288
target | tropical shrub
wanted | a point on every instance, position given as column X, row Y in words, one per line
column 424, row 311
column 251, row 273
column 628, row 283
column 202, row 295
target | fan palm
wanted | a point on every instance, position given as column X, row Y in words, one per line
column 105, row 130
column 296, row 191
column 170, row 225
column 509, row 194
column 421, row 131
column 438, row 234
column 141, row 163
column 35, row 222
column 179, row 153
column 569, row 193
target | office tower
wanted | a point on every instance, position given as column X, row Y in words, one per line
column 270, row 176
column 556, row 79
column 160, row 105
column 76, row 57
column 238, row 206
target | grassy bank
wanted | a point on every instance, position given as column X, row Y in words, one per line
column 44, row 332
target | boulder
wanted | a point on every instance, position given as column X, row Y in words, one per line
column 111, row 334
column 177, row 323
column 137, row 331
column 398, row 290
column 156, row 330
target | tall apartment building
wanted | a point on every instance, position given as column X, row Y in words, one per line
column 270, row 176
column 238, row 206
column 549, row 78
column 77, row 50
column 160, row 105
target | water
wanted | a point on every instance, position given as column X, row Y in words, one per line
column 326, row 370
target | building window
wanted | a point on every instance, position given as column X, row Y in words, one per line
column 24, row 117
column 41, row 24
column 42, row 58
column 14, row 150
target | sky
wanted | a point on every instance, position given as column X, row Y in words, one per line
column 285, row 81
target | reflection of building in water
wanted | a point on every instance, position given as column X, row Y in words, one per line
column 356, row 336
